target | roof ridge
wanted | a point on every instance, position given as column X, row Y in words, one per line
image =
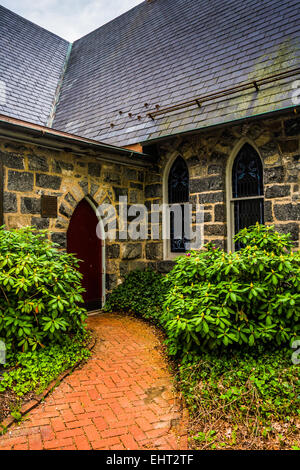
column 112, row 20
column 57, row 94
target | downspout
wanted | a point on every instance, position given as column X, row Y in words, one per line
column 50, row 120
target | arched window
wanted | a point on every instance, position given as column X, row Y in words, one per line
column 178, row 193
column 247, row 189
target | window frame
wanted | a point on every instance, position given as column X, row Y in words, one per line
column 167, row 253
column 230, row 200
column 183, row 200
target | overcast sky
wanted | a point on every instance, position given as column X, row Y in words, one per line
column 70, row 19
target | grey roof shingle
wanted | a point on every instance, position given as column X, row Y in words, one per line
column 31, row 63
column 169, row 51
column 163, row 52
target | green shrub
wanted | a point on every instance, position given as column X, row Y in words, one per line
column 247, row 298
column 40, row 291
column 34, row 370
column 142, row 292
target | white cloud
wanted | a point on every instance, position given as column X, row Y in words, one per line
column 70, row 19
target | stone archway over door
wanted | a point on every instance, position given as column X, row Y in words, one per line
column 83, row 241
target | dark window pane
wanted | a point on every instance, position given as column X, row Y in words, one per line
column 178, row 182
column 247, row 213
column 247, row 181
column 247, row 174
column 178, row 244
column 178, row 192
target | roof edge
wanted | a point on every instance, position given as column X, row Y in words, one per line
column 33, row 23
column 39, row 134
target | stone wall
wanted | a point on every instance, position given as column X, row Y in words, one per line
column 30, row 171
column 207, row 155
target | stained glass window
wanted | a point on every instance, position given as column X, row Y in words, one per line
column 247, row 177
column 178, row 193
column 247, row 189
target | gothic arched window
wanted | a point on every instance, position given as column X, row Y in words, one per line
column 178, row 193
column 247, row 189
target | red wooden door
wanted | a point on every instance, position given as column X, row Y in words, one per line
column 83, row 241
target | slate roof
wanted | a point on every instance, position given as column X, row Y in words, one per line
column 168, row 51
column 31, row 64
column 163, row 52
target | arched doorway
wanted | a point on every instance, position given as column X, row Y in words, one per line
column 83, row 241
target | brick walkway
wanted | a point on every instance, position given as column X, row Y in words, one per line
column 122, row 398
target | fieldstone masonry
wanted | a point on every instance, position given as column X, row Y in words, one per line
column 207, row 154
column 30, row 171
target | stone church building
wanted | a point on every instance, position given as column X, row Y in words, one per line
column 174, row 101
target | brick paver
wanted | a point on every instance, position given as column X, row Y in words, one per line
column 122, row 398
